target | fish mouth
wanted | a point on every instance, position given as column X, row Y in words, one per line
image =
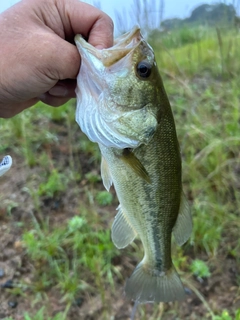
column 100, row 113
column 122, row 46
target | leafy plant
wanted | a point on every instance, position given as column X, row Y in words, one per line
column 70, row 251
column 200, row 269
column 224, row 316
column 55, row 183
column 104, row 198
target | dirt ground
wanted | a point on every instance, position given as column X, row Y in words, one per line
column 221, row 290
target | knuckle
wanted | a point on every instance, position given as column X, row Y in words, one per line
column 110, row 23
column 107, row 21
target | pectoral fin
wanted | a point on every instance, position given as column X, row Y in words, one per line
column 106, row 175
column 131, row 160
column 183, row 226
column 122, row 231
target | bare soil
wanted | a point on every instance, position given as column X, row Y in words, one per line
column 221, row 290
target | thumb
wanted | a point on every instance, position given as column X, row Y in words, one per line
column 64, row 63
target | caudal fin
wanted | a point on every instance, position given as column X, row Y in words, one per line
column 145, row 285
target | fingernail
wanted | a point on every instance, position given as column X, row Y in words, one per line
column 58, row 91
column 100, row 47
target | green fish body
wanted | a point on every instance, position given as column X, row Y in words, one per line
column 141, row 158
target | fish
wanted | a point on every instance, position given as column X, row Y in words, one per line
column 122, row 105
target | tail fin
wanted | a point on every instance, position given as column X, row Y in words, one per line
column 146, row 286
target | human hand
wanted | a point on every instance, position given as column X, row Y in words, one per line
column 38, row 60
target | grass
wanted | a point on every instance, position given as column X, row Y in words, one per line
column 186, row 52
column 73, row 255
column 74, row 249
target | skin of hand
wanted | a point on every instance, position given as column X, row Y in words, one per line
column 38, row 58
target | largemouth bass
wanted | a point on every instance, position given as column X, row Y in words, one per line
column 122, row 105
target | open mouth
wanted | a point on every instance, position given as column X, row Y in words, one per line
column 122, row 46
column 101, row 113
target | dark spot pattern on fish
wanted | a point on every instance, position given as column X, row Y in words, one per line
column 147, row 175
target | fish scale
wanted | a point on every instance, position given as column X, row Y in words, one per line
column 134, row 127
column 163, row 185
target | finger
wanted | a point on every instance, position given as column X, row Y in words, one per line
column 101, row 34
column 10, row 110
column 52, row 100
column 59, row 61
column 64, row 89
column 77, row 17
column 92, row 23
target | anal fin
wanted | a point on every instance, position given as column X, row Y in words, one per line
column 183, row 226
column 122, row 231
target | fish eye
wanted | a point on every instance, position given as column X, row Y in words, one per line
column 144, row 69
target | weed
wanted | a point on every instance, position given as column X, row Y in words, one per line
column 74, row 255
column 41, row 315
column 225, row 316
column 200, row 269
column 104, row 198
column 56, row 182
column 69, row 254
